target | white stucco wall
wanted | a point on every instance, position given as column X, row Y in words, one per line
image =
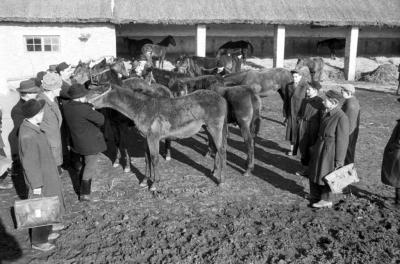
column 17, row 63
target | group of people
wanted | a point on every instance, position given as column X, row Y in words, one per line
column 51, row 109
column 323, row 129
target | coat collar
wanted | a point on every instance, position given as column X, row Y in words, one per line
column 32, row 126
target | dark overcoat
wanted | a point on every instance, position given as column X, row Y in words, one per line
column 351, row 107
column 390, row 173
column 329, row 151
column 17, row 117
column 39, row 166
column 84, row 126
column 309, row 121
column 295, row 95
column 51, row 125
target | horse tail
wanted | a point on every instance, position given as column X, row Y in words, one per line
column 251, row 47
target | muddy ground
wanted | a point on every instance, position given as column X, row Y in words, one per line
column 264, row 218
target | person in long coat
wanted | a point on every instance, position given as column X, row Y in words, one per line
column 329, row 151
column 52, row 119
column 390, row 173
column 87, row 139
column 294, row 96
column 39, row 166
column 351, row 107
column 309, row 120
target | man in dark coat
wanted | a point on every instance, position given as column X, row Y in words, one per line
column 39, row 166
column 351, row 107
column 294, row 95
column 390, row 174
column 309, row 120
column 87, row 139
column 329, row 151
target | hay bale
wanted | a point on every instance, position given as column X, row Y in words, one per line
column 384, row 74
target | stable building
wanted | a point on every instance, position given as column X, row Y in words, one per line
column 36, row 34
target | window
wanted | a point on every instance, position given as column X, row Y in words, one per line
column 42, row 43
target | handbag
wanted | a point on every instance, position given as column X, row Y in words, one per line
column 37, row 212
column 342, row 177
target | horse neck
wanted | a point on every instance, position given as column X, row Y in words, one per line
column 165, row 42
column 236, row 78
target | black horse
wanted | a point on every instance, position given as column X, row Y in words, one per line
column 244, row 107
column 198, row 66
column 159, row 118
column 241, row 47
column 158, row 51
column 333, row 45
column 135, row 46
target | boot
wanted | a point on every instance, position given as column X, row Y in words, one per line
column 85, row 190
column 397, row 196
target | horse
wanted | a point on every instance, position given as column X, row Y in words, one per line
column 159, row 118
column 314, row 64
column 333, row 44
column 165, row 77
column 135, row 46
column 158, row 50
column 244, row 108
column 197, row 66
column 183, row 86
column 133, row 83
column 236, row 47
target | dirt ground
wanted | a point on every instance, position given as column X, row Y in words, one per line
column 263, row 218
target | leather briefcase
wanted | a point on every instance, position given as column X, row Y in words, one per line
column 37, row 212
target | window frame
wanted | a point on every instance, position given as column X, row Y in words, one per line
column 54, row 41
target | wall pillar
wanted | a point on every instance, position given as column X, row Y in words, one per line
column 279, row 46
column 201, row 32
column 350, row 53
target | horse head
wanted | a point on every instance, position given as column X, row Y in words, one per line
column 121, row 68
column 171, row 40
column 183, row 65
column 81, row 73
column 178, row 88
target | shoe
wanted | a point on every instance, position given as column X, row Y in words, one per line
column 6, row 186
column 58, row 227
column 322, row 204
column 53, row 236
column 303, row 173
column 44, row 246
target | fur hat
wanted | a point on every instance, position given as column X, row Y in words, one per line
column 62, row 66
column 315, row 85
column 333, row 95
column 28, row 86
column 31, row 107
column 348, row 87
column 77, row 90
column 51, row 81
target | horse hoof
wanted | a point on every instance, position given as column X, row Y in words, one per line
column 168, row 158
column 143, row 184
column 127, row 170
column 116, row 165
column 153, row 188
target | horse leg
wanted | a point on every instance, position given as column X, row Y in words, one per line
column 249, row 141
column 154, row 145
column 219, row 133
column 128, row 160
column 147, row 169
column 211, row 150
column 167, row 153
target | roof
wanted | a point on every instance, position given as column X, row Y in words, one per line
column 76, row 11
column 183, row 12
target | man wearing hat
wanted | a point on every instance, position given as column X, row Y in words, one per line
column 294, row 95
column 40, row 170
column 329, row 151
column 351, row 107
column 310, row 114
column 28, row 89
column 87, row 139
column 52, row 119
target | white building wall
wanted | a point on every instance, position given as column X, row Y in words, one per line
column 17, row 63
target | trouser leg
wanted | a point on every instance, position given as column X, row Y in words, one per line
column 326, row 193
column 315, row 192
column 89, row 171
